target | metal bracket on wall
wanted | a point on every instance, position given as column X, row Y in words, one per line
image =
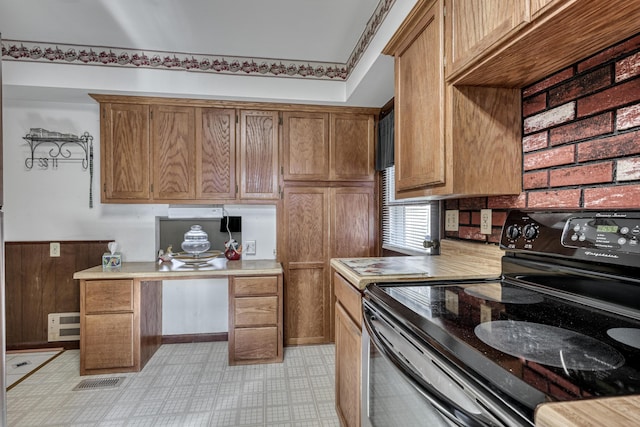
column 62, row 148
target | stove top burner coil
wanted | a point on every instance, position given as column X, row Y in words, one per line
column 549, row 345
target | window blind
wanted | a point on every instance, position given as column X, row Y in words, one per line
column 404, row 224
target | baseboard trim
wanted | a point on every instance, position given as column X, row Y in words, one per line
column 75, row 345
column 188, row 338
column 45, row 346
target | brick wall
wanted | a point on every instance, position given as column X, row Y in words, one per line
column 581, row 142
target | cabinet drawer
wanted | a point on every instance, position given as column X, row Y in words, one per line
column 251, row 311
column 255, row 285
column 108, row 341
column 349, row 298
column 256, row 343
column 108, row 296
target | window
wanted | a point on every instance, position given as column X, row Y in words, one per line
column 405, row 225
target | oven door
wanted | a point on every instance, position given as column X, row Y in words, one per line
column 407, row 383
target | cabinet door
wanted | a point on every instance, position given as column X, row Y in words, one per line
column 476, row 25
column 258, row 155
column 348, row 368
column 108, row 341
column 419, row 131
column 305, row 146
column 305, row 244
column 352, row 147
column 173, row 133
column 353, row 222
column 215, row 153
column 124, row 149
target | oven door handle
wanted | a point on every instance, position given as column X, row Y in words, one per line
column 441, row 403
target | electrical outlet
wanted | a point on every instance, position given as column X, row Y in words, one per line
column 54, row 249
column 485, row 221
column 451, row 220
column 250, row 247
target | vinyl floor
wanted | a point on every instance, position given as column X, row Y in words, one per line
column 20, row 364
column 184, row 385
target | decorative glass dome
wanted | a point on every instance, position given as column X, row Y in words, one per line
column 196, row 241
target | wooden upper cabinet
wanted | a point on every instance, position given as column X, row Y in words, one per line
column 173, row 136
column 450, row 141
column 352, row 147
column 511, row 49
column 419, row 98
column 124, row 149
column 215, row 153
column 474, row 26
column 305, row 146
column 171, row 150
column 328, row 146
column 258, row 154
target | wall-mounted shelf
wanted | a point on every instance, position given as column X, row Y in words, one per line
column 61, row 148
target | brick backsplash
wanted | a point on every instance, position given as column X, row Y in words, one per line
column 581, row 142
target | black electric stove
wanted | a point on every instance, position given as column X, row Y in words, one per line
column 561, row 323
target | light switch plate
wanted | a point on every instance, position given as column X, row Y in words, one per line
column 54, row 249
column 451, row 220
column 485, row 221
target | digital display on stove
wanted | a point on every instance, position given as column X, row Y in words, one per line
column 607, row 228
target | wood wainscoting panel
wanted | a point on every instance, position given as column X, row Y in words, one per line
column 38, row 284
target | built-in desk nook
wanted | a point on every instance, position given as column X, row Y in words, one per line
column 121, row 312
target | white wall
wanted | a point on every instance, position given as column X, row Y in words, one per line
column 53, row 205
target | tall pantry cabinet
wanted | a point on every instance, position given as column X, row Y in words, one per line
column 329, row 210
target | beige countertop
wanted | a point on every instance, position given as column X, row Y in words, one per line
column 607, row 411
column 458, row 260
column 168, row 270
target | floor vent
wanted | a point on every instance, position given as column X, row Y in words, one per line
column 99, row 383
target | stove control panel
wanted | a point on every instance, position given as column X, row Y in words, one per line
column 602, row 236
column 607, row 233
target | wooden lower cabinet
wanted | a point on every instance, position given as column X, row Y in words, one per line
column 348, row 352
column 110, row 337
column 255, row 319
column 120, row 324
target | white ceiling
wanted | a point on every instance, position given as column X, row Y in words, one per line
column 301, row 30
column 318, row 30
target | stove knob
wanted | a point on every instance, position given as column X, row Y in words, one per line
column 530, row 231
column 513, row 232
